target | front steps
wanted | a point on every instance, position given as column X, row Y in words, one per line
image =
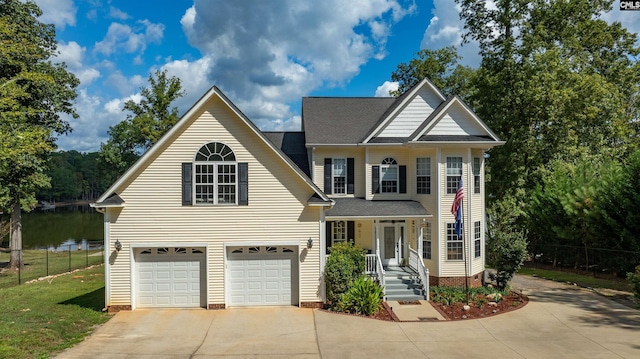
column 402, row 284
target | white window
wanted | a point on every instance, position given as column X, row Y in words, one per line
column 215, row 175
column 477, row 248
column 476, row 175
column 389, row 176
column 426, row 241
column 454, row 174
column 454, row 243
column 338, row 231
column 423, row 175
column 339, row 176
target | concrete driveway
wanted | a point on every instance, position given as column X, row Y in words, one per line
column 559, row 322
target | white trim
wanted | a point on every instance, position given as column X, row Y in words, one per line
column 107, row 254
column 132, row 280
column 168, row 245
column 439, row 238
column 412, row 94
column 312, row 170
column 383, row 217
column 321, row 204
column 194, row 110
column 215, row 184
column 367, row 176
column 262, row 243
column 346, row 170
column 469, row 228
column 323, row 241
column 478, row 144
column 96, row 205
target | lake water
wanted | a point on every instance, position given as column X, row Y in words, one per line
column 51, row 228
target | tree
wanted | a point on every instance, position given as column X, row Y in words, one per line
column 440, row 67
column 555, row 81
column 34, row 93
column 148, row 121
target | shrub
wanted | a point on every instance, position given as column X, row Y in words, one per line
column 363, row 297
column 345, row 264
column 448, row 295
column 634, row 278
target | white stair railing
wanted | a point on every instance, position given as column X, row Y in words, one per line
column 416, row 263
column 374, row 268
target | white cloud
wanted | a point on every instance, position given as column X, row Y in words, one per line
column 73, row 55
column 86, row 76
column 58, row 12
column 628, row 19
column 264, row 55
column 117, row 13
column 121, row 37
column 446, row 29
column 384, row 89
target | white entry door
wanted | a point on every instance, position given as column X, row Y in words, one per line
column 262, row 276
column 392, row 244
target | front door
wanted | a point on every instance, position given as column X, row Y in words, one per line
column 392, row 244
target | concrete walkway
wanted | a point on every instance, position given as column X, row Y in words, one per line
column 558, row 322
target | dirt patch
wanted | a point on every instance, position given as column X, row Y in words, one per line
column 482, row 307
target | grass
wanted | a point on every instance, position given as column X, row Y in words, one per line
column 36, row 262
column 40, row 319
column 579, row 279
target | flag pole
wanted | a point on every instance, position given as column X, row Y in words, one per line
column 465, row 254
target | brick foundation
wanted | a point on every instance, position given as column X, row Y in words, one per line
column 473, row 281
column 311, row 304
column 216, row 306
column 117, row 308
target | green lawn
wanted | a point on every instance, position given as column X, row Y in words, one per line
column 41, row 319
column 37, row 261
column 582, row 280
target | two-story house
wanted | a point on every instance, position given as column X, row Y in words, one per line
column 219, row 213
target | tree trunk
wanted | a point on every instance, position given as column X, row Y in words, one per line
column 15, row 236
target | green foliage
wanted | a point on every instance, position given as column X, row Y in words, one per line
column 634, row 278
column 345, row 264
column 363, row 296
column 74, row 176
column 448, row 295
column 506, row 246
column 440, row 67
column 34, row 95
column 149, row 120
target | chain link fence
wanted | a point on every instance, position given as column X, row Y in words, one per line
column 598, row 261
column 38, row 263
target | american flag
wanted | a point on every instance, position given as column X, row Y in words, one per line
column 456, row 208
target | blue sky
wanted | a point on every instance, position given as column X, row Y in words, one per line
column 264, row 55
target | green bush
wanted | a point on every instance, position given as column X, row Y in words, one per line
column 634, row 278
column 345, row 264
column 363, row 297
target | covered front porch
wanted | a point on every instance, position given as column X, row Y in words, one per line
column 391, row 232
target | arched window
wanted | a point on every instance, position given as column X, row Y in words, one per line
column 389, row 176
column 215, row 175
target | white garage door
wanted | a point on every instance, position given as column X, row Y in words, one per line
column 259, row 276
column 170, row 277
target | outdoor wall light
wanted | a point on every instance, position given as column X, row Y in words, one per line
column 118, row 245
column 486, row 155
column 310, row 243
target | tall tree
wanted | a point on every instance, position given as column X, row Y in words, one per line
column 151, row 118
column 34, row 93
column 441, row 67
column 556, row 82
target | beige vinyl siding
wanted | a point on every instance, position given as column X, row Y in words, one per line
column 456, row 121
column 357, row 153
column 276, row 212
column 412, row 115
column 403, row 157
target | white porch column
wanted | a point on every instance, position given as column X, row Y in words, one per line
column 323, row 240
column 376, row 233
column 420, row 230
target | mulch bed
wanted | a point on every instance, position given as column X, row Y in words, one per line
column 476, row 310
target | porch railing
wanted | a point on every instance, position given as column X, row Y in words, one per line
column 374, row 267
column 418, row 265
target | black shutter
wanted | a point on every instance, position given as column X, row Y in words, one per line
column 187, row 196
column 350, row 175
column 243, row 184
column 402, row 186
column 327, row 176
column 327, row 235
column 351, row 231
column 375, row 179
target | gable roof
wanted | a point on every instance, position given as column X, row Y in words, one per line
column 421, row 134
column 182, row 122
column 292, row 144
column 341, row 120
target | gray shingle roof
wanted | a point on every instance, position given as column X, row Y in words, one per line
column 293, row 145
column 455, row 138
column 113, row 200
column 360, row 207
column 341, row 120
